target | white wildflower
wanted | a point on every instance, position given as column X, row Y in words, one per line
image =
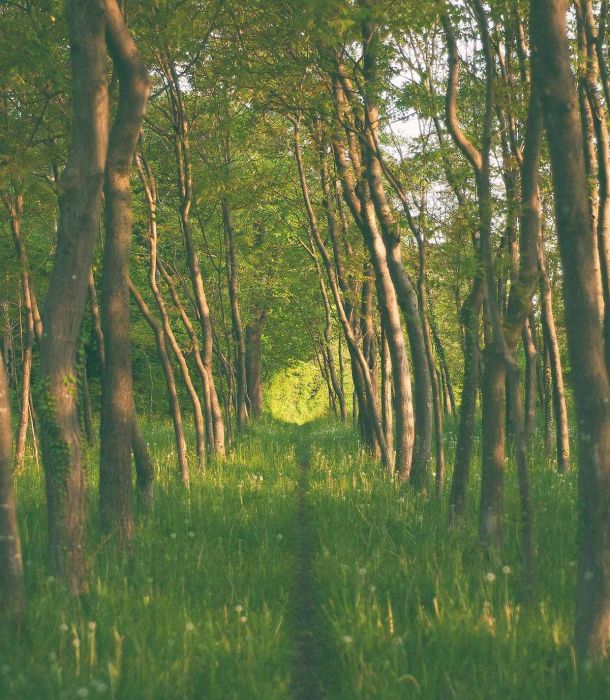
column 490, row 577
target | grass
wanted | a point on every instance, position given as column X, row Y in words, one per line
column 202, row 606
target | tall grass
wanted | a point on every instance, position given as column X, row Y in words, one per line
column 200, row 607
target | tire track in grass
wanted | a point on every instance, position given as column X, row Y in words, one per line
column 313, row 667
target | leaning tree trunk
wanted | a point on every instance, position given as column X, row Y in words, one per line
column 79, row 213
column 551, row 63
column 362, row 209
column 185, row 187
column 12, row 592
column 406, row 293
column 170, row 381
column 117, row 410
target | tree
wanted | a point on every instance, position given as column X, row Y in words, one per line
column 12, row 592
column 117, row 410
column 551, row 65
column 79, row 212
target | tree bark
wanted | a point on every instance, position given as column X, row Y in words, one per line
column 79, row 211
column 170, row 381
column 471, row 321
column 33, row 324
column 236, row 324
column 348, row 330
column 185, row 188
column 117, row 414
column 551, row 63
column 552, row 344
column 12, row 590
column 254, row 365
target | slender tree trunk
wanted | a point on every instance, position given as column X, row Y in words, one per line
column 471, row 318
column 117, row 414
column 32, row 322
column 337, row 390
column 386, row 391
column 552, row 344
column 195, row 351
column 170, row 381
column 12, row 591
column 548, row 400
column 85, row 398
column 363, row 211
column 436, row 385
column 585, row 339
column 346, row 324
column 185, row 187
column 440, row 353
column 417, row 440
column 79, row 212
column 530, row 379
column 238, row 331
column 493, row 394
column 254, row 366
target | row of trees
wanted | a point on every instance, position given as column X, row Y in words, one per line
column 390, row 184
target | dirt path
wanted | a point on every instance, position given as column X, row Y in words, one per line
column 306, row 683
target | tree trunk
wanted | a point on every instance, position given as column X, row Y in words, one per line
column 185, row 186
column 493, row 394
column 254, row 366
column 170, row 381
column 12, row 591
column 363, row 211
column 405, row 291
column 386, row 391
column 531, row 386
column 551, row 63
column 471, row 321
column 85, row 400
column 548, row 399
column 33, row 325
column 346, row 323
column 552, row 344
column 79, row 212
column 238, row 331
column 117, row 414
column 204, row 425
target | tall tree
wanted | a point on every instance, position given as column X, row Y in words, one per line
column 79, row 212
column 552, row 65
column 117, row 412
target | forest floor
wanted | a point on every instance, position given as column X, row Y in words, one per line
column 298, row 569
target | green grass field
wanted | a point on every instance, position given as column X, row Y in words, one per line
column 204, row 605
